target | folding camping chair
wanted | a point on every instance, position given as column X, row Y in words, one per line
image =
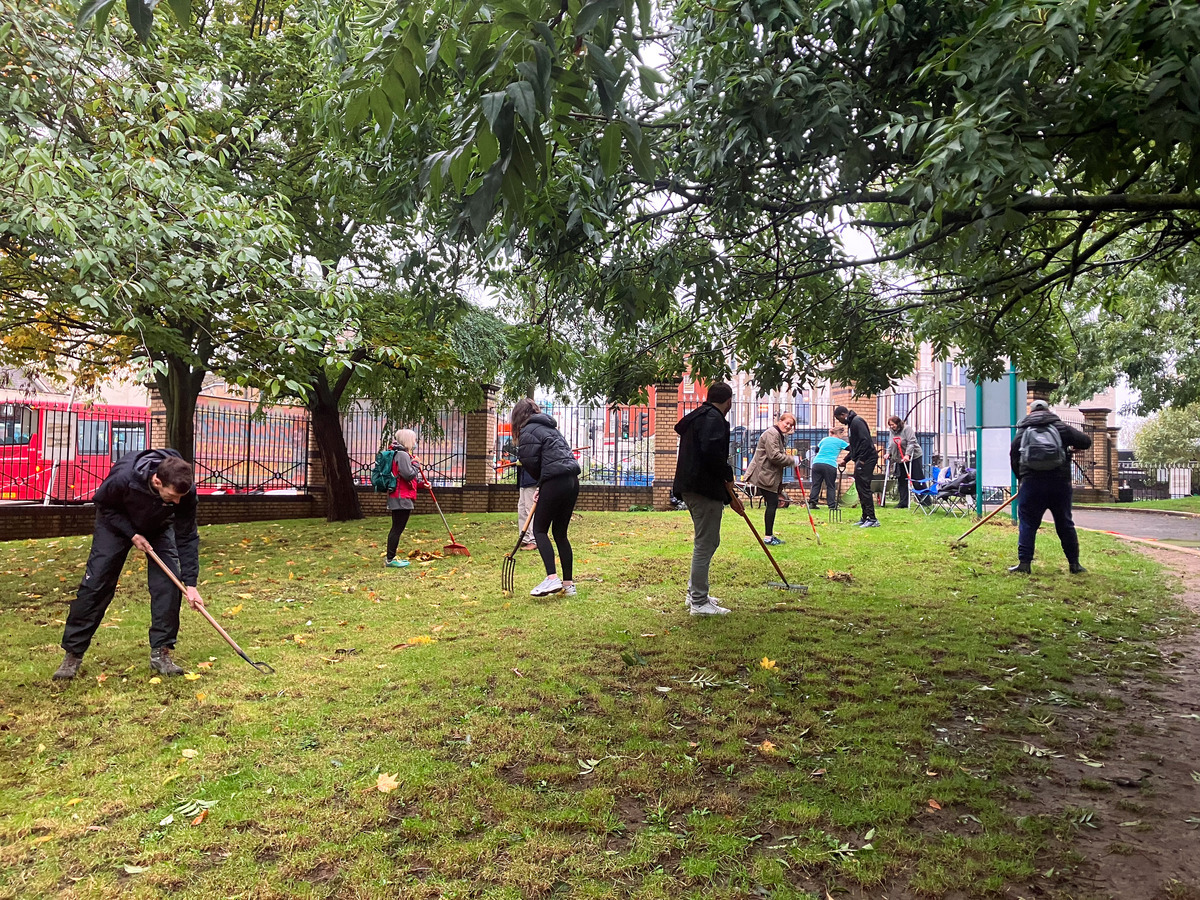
column 923, row 492
column 957, row 496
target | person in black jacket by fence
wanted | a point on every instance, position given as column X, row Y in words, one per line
column 704, row 479
column 547, row 457
column 148, row 501
column 1040, row 456
column 865, row 457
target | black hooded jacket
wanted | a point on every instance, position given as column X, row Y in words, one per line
column 862, row 446
column 127, row 504
column 703, row 463
column 1072, row 438
column 543, row 451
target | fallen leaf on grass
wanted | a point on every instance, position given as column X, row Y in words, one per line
column 74, row 800
column 190, row 754
column 386, row 783
column 933, row 804
column 101, row 678
column 766, row 748
column 201, row 696
column 518, row 673
column 233, row 610
column 767, row 663
column 200, row 818
column 817, row 773
column 168, row 820
column 845, row 577
column 156, row 680
column 135, row 870
column 192, row 676
column 243, row 597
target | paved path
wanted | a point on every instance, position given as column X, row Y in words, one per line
column 1142, row 525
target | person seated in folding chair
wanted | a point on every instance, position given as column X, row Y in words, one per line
column 904, row 450
column 766, row 469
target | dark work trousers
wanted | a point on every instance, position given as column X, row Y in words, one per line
column 1037, row 494
column 823, row 474
column 770, row 504
column 555, row 503
column 107, row 557
column 863, row 471
column 399, row 521
column 915, row 471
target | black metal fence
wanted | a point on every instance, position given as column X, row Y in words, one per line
column 441, row 444
column 242, row 448
column 1138, row 482
column 614, row 445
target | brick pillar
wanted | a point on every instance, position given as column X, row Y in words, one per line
column 1097, row 459
column 1038, row 389
column 478, row 471
column 316, row 473
column 1114, row 465
column 158, row 419
column 666, row 441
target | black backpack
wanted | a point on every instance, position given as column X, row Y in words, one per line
column 383, row 480
column 1042, row 448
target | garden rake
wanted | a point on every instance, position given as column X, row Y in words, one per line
column 834, row 512
column 261, row 666
column 508, row 568
column 454, row 548
column 785, row 585
column 958, row 542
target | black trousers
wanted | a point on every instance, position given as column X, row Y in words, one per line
column 1037, row 494
column 863, row 472
column 105, row 561
column 826, row 475
column 555, row 503
column 399, row 521
column 915, row 470
column 770, row 505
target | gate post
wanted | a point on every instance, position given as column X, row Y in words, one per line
column 1095, row 419
column 666, row 441
column 481, row 445
column 158, row 420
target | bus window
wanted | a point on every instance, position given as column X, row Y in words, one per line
column 127, row 437
column 16, row 424
column 92, row 437
column 58, row 427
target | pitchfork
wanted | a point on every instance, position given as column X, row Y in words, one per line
column 508, row 569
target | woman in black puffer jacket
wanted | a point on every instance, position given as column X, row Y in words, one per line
column 546, row 456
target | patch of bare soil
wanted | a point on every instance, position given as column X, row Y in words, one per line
column 1142, row 840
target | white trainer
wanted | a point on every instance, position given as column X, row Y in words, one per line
column 687, row 600
column 552, row 585
column 707, row 608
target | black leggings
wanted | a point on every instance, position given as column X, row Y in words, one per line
column 555, row 503
column 770, row 504
column 399, row 521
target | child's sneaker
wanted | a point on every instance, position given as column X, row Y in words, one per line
column 395, row 564
column 552, row 585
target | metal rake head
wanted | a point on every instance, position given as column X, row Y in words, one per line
column 508, row 571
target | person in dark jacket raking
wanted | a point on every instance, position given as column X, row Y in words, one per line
column 545, row 454
column 148, row 501
column 865, row 457
column 1043, row 465
column 704, row 479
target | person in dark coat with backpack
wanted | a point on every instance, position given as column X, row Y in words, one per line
column 547, row 457
column 402, row 498
column 1040, row 456
column 148, row 502
column 704, row 479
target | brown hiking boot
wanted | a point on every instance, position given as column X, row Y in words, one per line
column 161, row 662
column 69, row 667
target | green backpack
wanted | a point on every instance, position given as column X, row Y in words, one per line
column 383, row 480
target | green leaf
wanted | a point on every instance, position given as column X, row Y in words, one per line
column 481, row 203
column 487, row 147
column 522, row 95
column 98, row 9
column 610, row 148
column 492, row 104
column 182, row 10
column 141, row 17
column 590, row 15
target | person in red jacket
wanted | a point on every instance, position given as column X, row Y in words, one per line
column 401, row 500
column 148, row 501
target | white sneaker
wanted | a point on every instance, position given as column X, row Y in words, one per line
column 569, row 590
column 707, row 608
column 687, row 600
column 552, row 585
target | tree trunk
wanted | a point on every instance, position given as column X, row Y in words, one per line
column 341, row 494
column 180, row 389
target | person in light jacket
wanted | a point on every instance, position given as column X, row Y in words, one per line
column 401, row 500
column 766, row 470
column 904, row 450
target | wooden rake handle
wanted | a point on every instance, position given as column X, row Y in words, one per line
column 761, row 543
column 963, row 536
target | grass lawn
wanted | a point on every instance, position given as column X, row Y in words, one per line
column 1181, row 504
column 426, row 737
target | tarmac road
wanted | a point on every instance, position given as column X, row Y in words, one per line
column 1140, row 524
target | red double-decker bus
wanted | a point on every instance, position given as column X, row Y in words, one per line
column 64, row 450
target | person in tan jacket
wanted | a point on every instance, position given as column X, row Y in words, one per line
column 766, row 469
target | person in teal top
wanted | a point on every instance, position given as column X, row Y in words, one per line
column 824, row 468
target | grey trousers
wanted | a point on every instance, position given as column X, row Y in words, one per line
column 524, row 505
column 706, row 520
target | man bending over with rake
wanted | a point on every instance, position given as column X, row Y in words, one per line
column 147, row 501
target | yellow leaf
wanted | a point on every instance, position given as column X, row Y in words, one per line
column 422, row 639
column 74, row 800
column 156, row 680
column 386, row 783
column 766, row 748
column 245, row 597
column 233, row 610
column 201, row 696
column 170, row 778
column 204, row 665
column 767, row 663
column 190, row 754
column 192, row 676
